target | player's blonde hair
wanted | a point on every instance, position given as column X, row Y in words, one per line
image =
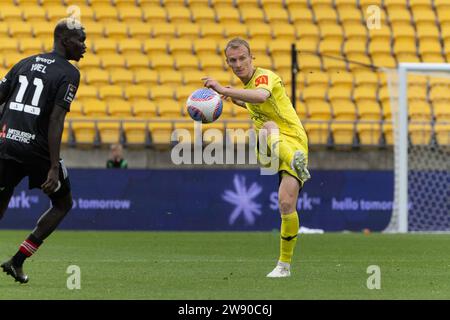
column 236, row 43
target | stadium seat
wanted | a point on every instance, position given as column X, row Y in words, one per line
column 252, row 17
column 144, row 109
column 146, row 77
column 131, row 46
column 212, row 64
column 301, row 16
column 162, row 63
column 113, row 61
column 277, row 16
column 94, row 30
column 122, row 76
column 87, row 93
column 227, row 15
column 193, row 77
column 178, row 47
column 203, row 15
column 430, row 50
column 441, row 110
column 76, row 110
column 420, row 133
column 343, row 133
column 260, row 32
column 116, row 30
column 130, row 14
column 105, row 13
column 161, row 92
column 388, row 133
column 136, row 92
column 344, row 110
column 165, row 31
column 155, row 15
column 172, row 78
column 183, row 92
column 20, row 30
column 189, row 31
column 349, row 14
column 160, row 133
column 10, row 45
column 136, row 62
column 11, row 13
column 43, row 29
column 84, row 133
column 169, row 109
column 96, row 77
column 336, row 95
column 204, row 47
column 318, row 110
column 213, row 31
column 324, row 14
column 188, row 62
column 136, row 133
column 341, row 79
column 105, row 46
column 110, row 93
column 95, row 108
column 120, row 109
column 140, row 30
column 366, row 79
column 33, row 13
column 442, row 132
column 419, row 110
column 109, row 132
column 31, row 46
column 318, row 133
column 179, row 14
column 235, row 30
column 369, row 134
column 309, row 63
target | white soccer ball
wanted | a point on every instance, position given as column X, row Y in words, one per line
column 204, row 105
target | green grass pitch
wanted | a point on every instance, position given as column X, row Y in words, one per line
column 229, row 265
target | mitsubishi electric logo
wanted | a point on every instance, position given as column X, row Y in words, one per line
column 243, row 200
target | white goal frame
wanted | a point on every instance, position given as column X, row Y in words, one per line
column 401, row 160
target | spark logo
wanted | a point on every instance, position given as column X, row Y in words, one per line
column 262, row 80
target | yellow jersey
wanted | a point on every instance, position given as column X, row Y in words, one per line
column 277, row 108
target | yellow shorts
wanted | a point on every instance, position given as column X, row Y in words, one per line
column 294, row 145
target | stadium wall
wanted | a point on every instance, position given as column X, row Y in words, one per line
column 321, row 158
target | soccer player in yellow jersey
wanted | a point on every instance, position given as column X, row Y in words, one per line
column 265, row 97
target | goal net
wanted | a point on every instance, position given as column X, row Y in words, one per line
column 419, row 95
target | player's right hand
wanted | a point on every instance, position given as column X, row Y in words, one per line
column 51, row 184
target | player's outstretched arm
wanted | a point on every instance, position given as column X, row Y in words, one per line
column 55, row 130
column 245, row 95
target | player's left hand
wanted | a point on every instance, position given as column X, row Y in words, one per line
column 51, row 184
column 213, row 84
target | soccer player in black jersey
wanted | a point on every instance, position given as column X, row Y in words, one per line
column 37, row 93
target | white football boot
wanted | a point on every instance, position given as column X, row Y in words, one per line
column 282, row 270
column 299, row 165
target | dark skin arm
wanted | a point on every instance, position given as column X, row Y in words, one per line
column 55, row 130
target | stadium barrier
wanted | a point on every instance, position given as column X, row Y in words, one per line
column 209, row 200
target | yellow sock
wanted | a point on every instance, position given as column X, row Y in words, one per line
column 280, row 149
column 289, row 231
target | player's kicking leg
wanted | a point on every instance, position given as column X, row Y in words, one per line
column 288, row 194
column 298, row 159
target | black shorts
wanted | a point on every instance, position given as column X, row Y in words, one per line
column 12, row 172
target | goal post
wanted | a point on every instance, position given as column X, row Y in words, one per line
column 428, row 164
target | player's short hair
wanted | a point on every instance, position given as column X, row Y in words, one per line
column 65, row 27
column 236, row 43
